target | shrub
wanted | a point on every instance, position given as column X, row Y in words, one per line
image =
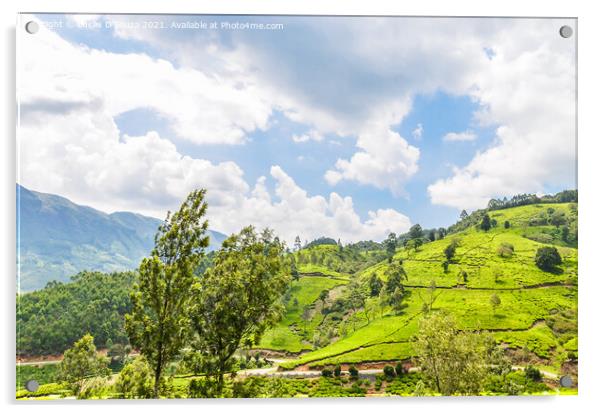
column 400, row 370
column 506, row 224
column 326, row 373
column 547, row 258
column 505, row 250
column 135, row 381
column 532, row 373
column 353, row 371
column 337, row 370
column 389, row 372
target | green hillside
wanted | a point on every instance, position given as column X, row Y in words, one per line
column 536, row 316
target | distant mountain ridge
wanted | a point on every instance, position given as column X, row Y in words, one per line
column 57, row 238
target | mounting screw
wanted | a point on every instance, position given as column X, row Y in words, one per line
column 32, row 385
column 32, row 27
column 566, row 31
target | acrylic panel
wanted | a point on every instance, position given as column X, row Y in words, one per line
column 295, row 206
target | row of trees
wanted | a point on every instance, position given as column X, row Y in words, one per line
column 228, row 307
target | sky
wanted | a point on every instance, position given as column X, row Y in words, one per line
column 343, row 127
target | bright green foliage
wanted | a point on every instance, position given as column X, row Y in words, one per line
column 136, row 380
column 238, row 298
column 82, row 362
column 159, row 323
column 451, row 361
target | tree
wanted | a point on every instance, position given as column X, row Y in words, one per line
column 506, row 224
column 450, row 250
column 118, row 353
column 565, row 233
column 485, row 223
column 81, row 362
column 495, row 302
column 159, row 324
column 135, row 380
column 375, row 284
column 547, row 258
column 237, row 299
column 395, row 274
column 414, row 244
column 396, row 299
column 391, row 245
column 416, row 231
column 463, row 215
column 557, row 219
column 451, row 361
column 432, row 236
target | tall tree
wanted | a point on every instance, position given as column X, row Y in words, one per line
column 463, row 215
column 159, row 324
column 238, row 299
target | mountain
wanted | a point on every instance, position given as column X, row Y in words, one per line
column 57, row 238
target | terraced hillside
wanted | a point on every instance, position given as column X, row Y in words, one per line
column 534, row 314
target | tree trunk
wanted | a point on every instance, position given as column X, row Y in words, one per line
column 158, row 371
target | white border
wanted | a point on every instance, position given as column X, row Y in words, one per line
column 590, row 291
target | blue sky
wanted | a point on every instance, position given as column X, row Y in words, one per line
column 402, row 119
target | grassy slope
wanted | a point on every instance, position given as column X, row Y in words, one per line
column 285, row 335
column 517, row 321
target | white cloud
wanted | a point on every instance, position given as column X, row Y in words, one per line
column 294, row 212
column 525, row 85
column 417, row 132
column 529, row 89
column 70, row 145
column 385, row 161
column 312, row 135
column 219, row 91
column 460, row 136
column 199, row 108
